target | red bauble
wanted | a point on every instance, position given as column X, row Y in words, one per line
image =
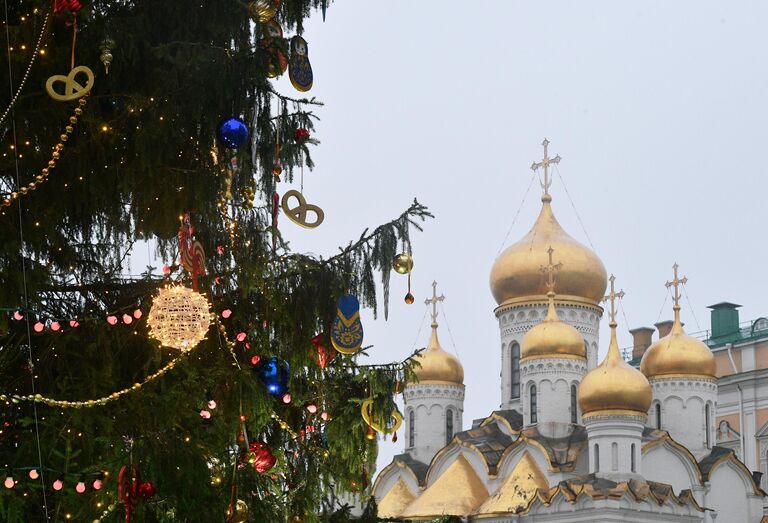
column 263, row 459
column 146, row 490
column 301, row 134
column 324, row 355
column 72, row 5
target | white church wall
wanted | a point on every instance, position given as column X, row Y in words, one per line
column 666, row 465
column 430, row 403
column 731, row 495
column 516, row 320
column 683, row 415
column 553, row 378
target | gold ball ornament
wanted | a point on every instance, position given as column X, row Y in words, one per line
column 263, row 10
column 179, row 318
column 403, row 263
column 240, row 514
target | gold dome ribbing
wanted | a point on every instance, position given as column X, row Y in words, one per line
column 436, row 364
column 515, row 273
column 552, row 338
column 677, row 353
column 614, row 385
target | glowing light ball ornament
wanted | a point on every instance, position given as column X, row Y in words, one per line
column 233, row 132
column 179, row 318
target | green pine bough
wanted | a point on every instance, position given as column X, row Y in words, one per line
column 142, row 155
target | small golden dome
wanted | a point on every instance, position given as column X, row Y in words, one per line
column 515, row 273
column 614, row 385
column 678, row 354
column 438, row 365
column 552, row 338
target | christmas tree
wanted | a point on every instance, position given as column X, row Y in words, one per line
column 210, row 389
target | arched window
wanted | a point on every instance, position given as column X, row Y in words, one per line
column 614, row 456
column 533, row 404
column 411, row 429
column 706, row 424
column 658, row 416
column 574, row 410
column 597, row 457
column 448, row 426
column 632, row 457
column 514, row 351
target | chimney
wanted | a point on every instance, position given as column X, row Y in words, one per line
column 641, row 340
column 664, row 327
column 725, row 319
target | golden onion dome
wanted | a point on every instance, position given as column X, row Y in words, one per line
column 678, row 354
column 552, row 338
column 515, row 273
column 438, row 365
column 614, row 385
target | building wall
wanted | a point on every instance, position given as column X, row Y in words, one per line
column 516, row 320
column 429, row 403
column 684, row 402
column 554, row 379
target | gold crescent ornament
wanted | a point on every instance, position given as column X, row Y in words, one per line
column 263, row 10
column 388, row 427
column 240, row 513
column 72, row 89
column 298, row 214
column 403, row 263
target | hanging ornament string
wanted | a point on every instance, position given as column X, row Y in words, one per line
column 55, row 156
column 35, row 52
column 31, row 360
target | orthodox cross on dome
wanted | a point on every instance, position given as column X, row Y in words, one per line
column 545, row 163
column 612, row 297
column 434, row 300
column 550, row 269
column 676, row 284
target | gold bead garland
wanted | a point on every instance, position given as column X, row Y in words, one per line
column 179, row 318
column 64, row 404
column 29, row 67
column 55, row 155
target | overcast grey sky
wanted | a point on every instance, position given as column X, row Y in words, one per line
column 657, row 108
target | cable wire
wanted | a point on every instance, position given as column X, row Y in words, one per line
column 450, row 334
column 578, row 217
column 514, row 219
column 24, row 263
column 690, row 306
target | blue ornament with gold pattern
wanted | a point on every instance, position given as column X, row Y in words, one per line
column 347, row 330
column 233, row 133
column 300, row 70
column 274, row 374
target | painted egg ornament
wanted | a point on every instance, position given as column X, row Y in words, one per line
column 233, row 133
column 274, row 374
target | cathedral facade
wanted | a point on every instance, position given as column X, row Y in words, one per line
column 574, row 439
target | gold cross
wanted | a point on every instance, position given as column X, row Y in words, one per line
column 676, row 283
column 434, row 301
column 545, row 163
column 612, row 297
column 550, row 270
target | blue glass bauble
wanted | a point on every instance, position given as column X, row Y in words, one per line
column 274, row 373
column 233, row 133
